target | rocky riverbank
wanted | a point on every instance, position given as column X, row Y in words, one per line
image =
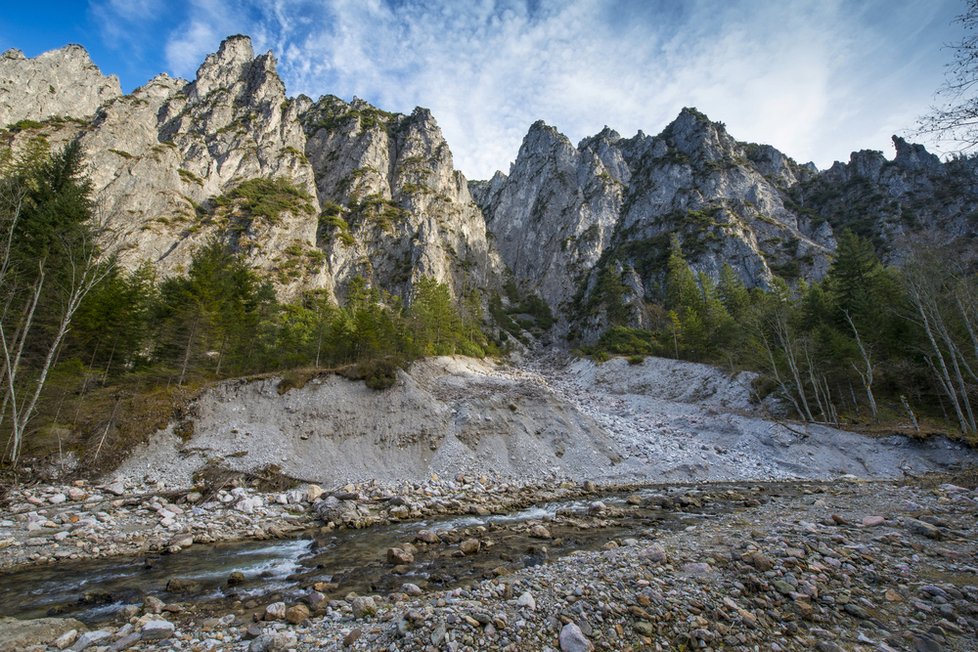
column 800, row 566
column 50, row 523
column 817, row 560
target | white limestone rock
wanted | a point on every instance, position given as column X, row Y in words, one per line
column 55, row 84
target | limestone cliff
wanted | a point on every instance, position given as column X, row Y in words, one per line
column 394, row 207
column 566, row 215
column 315, row 193
column 354, row 191
column 61, row 82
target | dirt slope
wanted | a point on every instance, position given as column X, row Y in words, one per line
column 662, row 420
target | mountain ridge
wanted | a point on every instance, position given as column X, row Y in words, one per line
column 383, row 200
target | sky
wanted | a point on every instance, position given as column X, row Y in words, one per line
column 815, row 79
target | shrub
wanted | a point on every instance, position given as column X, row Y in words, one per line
column 268, row 198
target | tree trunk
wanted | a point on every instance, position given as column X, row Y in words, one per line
column 865, row 376
column 186, row 353
column 940, row 369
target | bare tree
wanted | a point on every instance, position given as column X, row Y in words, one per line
column 41, row 291
column 84, row 272
column 866, row 373
column 954, row 119
column 925, row 288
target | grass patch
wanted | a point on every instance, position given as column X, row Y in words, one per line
column 189, row 177
column 377, row 374
column 268, row 198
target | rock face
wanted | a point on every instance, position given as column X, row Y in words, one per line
column 567, row 218
column 58, row 83
column 163, row 154
column 394, row 207
column 356, row 191
column 317, row 193
column 589, row 227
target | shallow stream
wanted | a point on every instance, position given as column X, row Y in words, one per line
column 355, row 560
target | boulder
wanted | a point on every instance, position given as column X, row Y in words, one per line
column 275, row 611
column 399, row 556
column 297, row 614
column 470, row 546
column 363, row 606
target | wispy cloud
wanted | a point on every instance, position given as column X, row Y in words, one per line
column 816, row 79
column 122, row 22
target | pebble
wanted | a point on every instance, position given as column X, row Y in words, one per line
column 156, row 630
column 527, row 601
column 572, row 639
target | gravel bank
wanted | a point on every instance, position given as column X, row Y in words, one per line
column 847, row 566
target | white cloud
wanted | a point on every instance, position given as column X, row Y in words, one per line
column 816, row 79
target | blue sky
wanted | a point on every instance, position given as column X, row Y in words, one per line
column 815, row 79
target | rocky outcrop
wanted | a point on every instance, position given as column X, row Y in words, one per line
column 555, row 213
column 394, row 207
column 163, row 156
column 354, row 191
column 914, row 198
column 57, row 84
column 567, row 219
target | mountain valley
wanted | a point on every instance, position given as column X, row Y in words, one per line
column 279, row 377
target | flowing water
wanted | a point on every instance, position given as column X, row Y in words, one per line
column 349, row 560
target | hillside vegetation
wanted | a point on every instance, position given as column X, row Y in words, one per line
column 94, row 353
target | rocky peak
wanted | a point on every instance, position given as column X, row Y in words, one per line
column 60, row 83
column 696, row 136
column 542, row 138
column 607, row 136
column 913, row 156
column 224, row 67
column 865, row 163
column 775, row 165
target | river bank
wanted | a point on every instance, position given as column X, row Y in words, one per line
column 557, row 505
column 846, row 565
column 45, row 524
